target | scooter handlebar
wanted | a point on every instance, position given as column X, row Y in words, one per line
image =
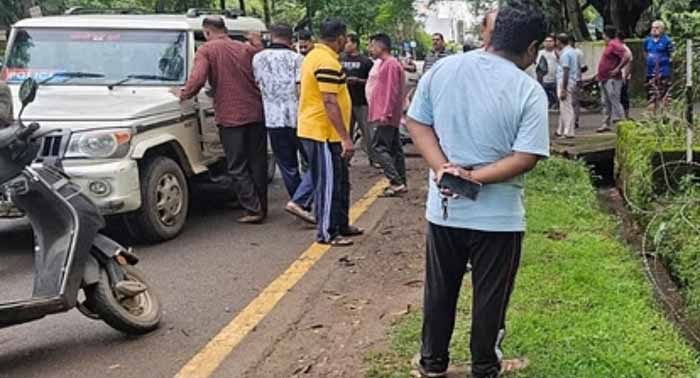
column 26, row 132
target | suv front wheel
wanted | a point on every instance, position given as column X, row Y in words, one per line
column 165, row 201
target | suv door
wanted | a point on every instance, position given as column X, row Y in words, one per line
column 212, row 149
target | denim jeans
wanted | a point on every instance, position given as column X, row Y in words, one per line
column 286, row 147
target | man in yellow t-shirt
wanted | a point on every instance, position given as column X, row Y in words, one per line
column 323, row 124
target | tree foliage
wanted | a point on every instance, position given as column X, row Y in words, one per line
column 395, row 17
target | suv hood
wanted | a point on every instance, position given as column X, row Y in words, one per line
column 98, row 103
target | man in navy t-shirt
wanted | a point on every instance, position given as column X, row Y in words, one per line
column 658, row 48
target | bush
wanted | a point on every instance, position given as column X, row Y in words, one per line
column 637, row 145
column 663, row 194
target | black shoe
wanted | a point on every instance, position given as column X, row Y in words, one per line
column 352, row 231
column 427, row 371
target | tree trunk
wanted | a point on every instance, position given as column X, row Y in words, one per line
column 266, row 11
column 26, row 4
column 160, row 6
column 577, row 24
column 241, row 4
column 623, row 14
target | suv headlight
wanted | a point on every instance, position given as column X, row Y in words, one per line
column 103, row 144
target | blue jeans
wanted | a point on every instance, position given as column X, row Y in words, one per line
column 551, row 90
column 286, row 149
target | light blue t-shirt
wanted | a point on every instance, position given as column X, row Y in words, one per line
column 482, row 108
column 568, row 58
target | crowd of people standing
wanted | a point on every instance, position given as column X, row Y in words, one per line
column 476, row 116
column 307, row 100
column 560, row 68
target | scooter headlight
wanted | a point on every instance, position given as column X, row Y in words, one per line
column 102, row 144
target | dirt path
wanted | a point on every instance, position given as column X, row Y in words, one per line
column 372, row 284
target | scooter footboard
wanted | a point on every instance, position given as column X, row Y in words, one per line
column 65, row 223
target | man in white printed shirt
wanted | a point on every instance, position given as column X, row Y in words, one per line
column 277, row 71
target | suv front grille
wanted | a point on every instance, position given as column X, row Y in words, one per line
column 51, row 146
column 8, row 209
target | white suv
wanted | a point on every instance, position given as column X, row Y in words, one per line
column 117, row 130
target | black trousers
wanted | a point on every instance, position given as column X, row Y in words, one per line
column 331, row 182
column 495, row 257
column 246, row 162
column 388, row 152
column 625, row 95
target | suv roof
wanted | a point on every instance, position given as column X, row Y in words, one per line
column 146, row 22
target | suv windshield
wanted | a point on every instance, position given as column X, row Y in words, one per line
column 108, row 55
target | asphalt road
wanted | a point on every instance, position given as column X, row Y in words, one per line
column 204, row 278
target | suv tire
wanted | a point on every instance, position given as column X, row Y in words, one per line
column 165, row 201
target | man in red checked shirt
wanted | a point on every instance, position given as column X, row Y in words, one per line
column 385, row 111
column 228, row 65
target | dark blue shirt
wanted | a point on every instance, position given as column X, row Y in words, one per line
column 658, row 52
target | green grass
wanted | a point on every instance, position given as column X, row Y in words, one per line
column 581, row 306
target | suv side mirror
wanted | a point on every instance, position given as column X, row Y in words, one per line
column 27, row 92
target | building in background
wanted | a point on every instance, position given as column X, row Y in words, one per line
column 453, row 19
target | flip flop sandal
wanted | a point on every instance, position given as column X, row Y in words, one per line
column 391, row 192
column 508, row 366
column 339, row 242
column 514, row 364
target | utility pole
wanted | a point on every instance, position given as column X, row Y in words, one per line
column 689, row 99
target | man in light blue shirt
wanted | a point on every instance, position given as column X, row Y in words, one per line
column 568, row 72
column 480, row 117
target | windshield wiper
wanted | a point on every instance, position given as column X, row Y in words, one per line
column 141, row 77
column 72, row 75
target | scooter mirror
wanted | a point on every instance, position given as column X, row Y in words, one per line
column 27, row 92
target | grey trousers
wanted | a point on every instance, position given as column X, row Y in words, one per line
column 388, row 152
column 611, row 91
column 359, row 117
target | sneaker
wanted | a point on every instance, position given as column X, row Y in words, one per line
column 419, row 371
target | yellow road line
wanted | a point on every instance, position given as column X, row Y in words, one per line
column 207, row 360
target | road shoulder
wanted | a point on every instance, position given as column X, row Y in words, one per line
column 345, row 305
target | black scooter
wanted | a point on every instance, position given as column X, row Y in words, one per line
column 70, row 256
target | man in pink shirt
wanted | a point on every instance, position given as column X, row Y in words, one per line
column 385, row 111
column 610, row 77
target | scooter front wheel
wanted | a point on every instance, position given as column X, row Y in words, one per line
column 134, row 315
